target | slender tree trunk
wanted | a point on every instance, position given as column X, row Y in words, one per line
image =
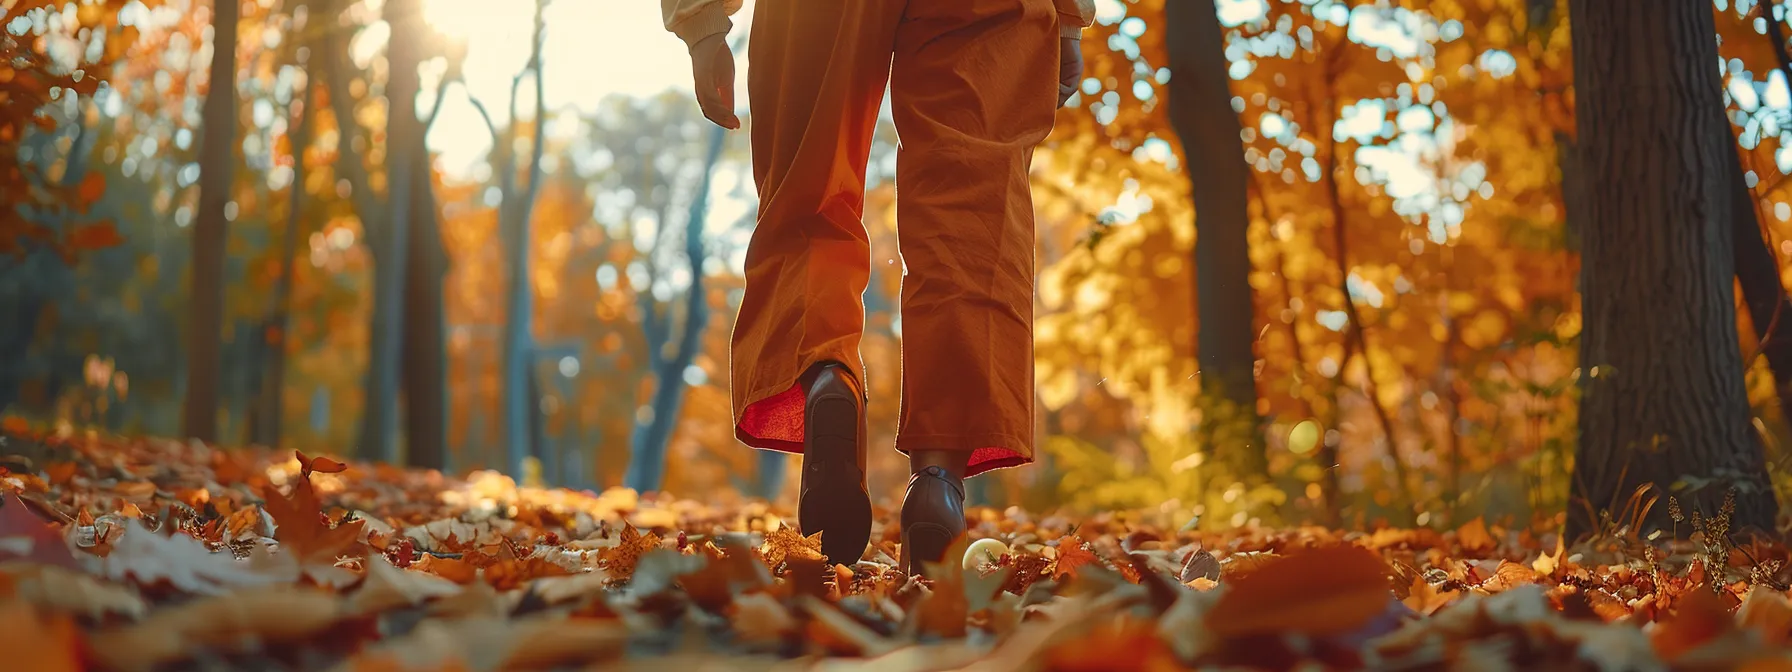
column 404, row 140
column 272, row 395
column 647, row 466
column 21, row 313
column 520, row 403
column 217, row 165
column 1201, row 113
column 1663, row 400
column 425, row 324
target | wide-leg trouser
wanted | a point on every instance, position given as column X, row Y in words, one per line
column 973, row 89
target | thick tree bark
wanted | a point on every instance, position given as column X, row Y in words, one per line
column 1663, row 400
column 1201, row 113
column 217, row 165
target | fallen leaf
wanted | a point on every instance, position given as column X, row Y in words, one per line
column 1474, row 538
column 1701, row 617
column 388, row 587
column 1328, row 590
column 1767, row 612
column 786, row 542
column 322, row 465
column 1072, row 555
column 38, row 642
column 942, row 612
column 302, row 532
column 620, row 559
column 141, row 555
column 261, row 616
column 61, row 590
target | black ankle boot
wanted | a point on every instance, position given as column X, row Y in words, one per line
column 932, row 518
column 834, row 499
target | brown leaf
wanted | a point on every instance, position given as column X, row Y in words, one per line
column 301, row 530
column 1200, row 564
column 621, row 559
column 786, row 542
column 322, row 465
column 1328, row 590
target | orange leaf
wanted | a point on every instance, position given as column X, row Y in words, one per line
column 1324, row 591
column 1473, row 537
column 452, row 569
column 1071, row 555
column 33, row 641
column 93, row 237
column 60, row 472
column 92, row 187
column 1700, row 617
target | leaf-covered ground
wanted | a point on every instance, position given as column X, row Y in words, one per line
column 160, row 555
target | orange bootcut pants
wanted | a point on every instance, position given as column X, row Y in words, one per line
column 972, row 86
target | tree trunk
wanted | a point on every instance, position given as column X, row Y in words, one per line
column 1201, row 113
column 1758, row 273
column 217, row 165
column 647, row 465
column 267, row 420
column 425, row 326
column 404, row 138
column 520, row 404
column 1663, row 400
column 21, row 314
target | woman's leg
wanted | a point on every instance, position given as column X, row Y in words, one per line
column 973, row 89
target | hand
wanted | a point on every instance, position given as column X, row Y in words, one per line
column 712, row 64
column 1070, row 67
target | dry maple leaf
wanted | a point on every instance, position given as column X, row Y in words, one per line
column 787, row 542
column 1329, row 590
column 76, row 593
column 1072, row 555
column 452, row 569
column 301, row 530
column 269, row 615
column 620, row 560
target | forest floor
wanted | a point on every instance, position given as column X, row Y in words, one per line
column 139, row 554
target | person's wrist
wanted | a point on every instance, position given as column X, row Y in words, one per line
column 708, row 23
